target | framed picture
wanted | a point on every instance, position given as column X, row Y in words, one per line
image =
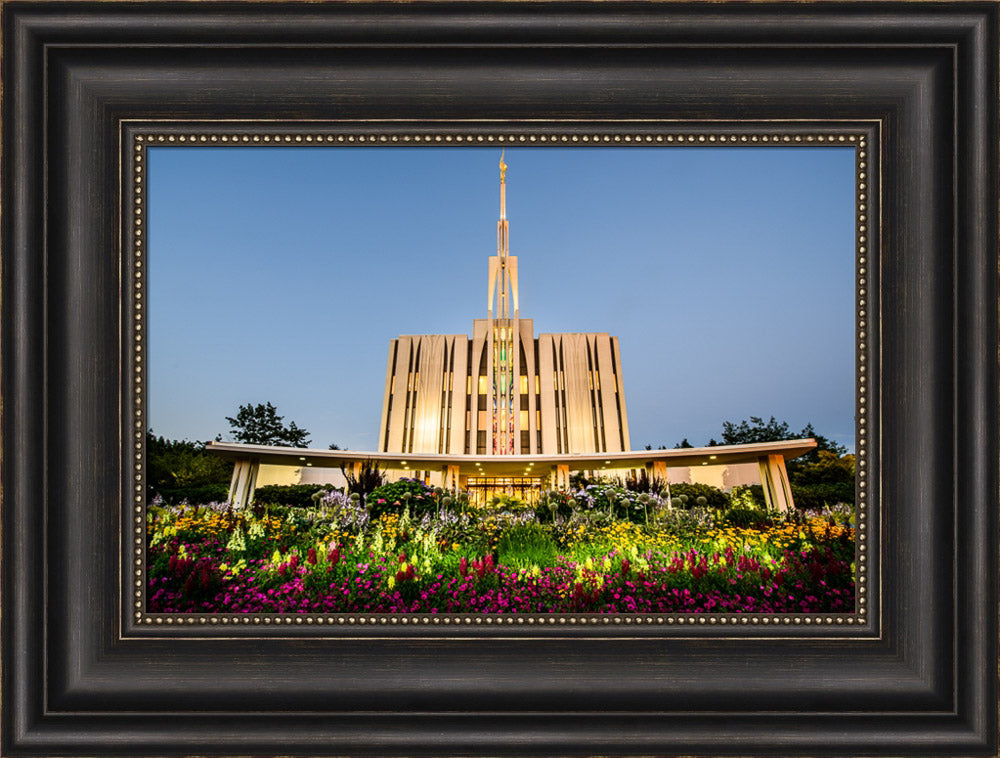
column 94, row 93
column 465, row 507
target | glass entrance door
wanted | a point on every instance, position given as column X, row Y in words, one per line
column 482, row 489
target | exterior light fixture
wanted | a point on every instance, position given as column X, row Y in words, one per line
column 704, row 463
column 713, row 457
column 607, row 462
column 301, row 458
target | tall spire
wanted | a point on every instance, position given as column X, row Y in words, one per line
column 503, row 249
column 503, row 186
column 503, row 345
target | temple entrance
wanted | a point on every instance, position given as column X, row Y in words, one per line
column 482, row 489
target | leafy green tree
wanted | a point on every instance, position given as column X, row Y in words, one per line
column 772, row 430
column 829, row 468
column 179, row 467
column 261, row 425
column 755, row 430
column 823, row 444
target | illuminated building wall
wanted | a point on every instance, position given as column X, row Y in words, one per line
column 504, row 391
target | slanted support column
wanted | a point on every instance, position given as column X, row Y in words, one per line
column 243, row 483
column 774, row 479
column 449, row 477
column 559, row 477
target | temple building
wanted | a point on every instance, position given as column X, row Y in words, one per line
column 508, row 412
column 504, row 391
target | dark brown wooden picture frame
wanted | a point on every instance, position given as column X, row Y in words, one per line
column 918, row 678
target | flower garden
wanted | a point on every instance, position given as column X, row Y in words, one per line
column 411, row 548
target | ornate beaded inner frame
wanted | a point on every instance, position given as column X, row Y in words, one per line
column 137, row 138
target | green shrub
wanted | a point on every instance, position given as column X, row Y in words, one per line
column 714, row 497
column 817, row 495
column 757, row 493
column 745, row 516
column 613, row 501
column 394, row 497
column 178, row 466
column 200, row 494
column 298, row 495
column 812, row 496
column 552, row 502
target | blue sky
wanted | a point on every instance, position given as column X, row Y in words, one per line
column 280, row 274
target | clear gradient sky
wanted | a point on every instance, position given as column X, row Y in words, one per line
column 280, row 274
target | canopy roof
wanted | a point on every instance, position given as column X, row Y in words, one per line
column 514, row 465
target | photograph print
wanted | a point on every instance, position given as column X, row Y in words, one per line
column 349, row 411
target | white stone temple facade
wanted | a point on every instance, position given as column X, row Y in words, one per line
column 508, row 412
column 504, row 391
